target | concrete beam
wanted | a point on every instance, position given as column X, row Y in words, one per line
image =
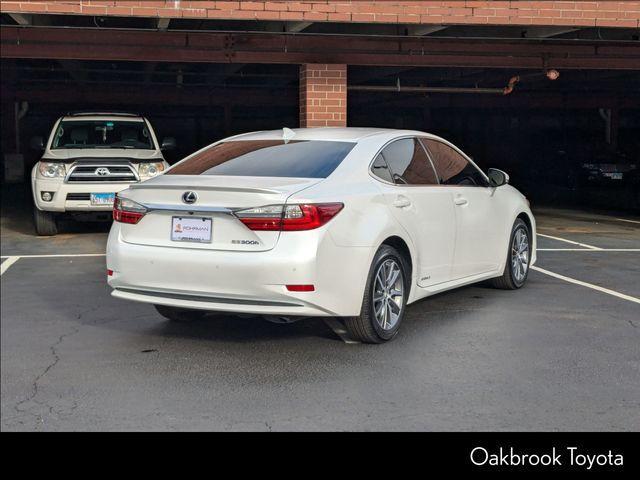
column 163, row 23
column 21, row 18
column 296, row 27
column 422, row 30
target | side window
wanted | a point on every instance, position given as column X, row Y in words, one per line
column 409, row 163
column 381, row 170
column 453, row 168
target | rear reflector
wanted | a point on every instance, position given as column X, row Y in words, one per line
column 301, row 288
column 109, row 273
column 289, row 217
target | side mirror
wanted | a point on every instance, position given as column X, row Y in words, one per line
column 168, row 143
column 497, row 177
column 37, row 143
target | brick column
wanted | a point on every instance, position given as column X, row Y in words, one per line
column 323, row 95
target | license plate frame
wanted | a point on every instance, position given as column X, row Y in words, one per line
column 102, row 199
column 193, row 234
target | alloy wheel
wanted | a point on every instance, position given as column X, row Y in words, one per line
column 520, row 255
column 388, row 294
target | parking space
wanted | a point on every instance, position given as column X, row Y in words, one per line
column 555, row 355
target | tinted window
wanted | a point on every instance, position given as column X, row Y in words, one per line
column 409, row 163
column 102, row 134
column 267, row 158
column 381, row 169
column 453, row 168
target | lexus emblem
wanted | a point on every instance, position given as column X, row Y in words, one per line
column 189, row 197
column 102, row 171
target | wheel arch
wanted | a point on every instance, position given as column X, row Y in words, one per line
column 403, row 248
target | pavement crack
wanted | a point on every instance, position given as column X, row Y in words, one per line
column 22, row 406
column 632, row 324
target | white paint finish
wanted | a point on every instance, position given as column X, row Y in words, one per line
column 335, row 258
column 483, row 226
column 7, row 263
column 430, row 222
column 569, row 241
column 588, row 285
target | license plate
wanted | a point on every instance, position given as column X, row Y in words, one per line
column 102, row 198
column 614, row 175
column 191, row 229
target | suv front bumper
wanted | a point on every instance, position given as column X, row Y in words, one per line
column 61, row 191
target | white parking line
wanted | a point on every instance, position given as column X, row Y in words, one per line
column 627, row 220
column 588, row 285
column 340, row 330
column 569, row 241
column 588, row 250
column 7, row 263
column 60, row 255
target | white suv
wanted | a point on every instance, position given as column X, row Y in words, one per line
column 88, row 158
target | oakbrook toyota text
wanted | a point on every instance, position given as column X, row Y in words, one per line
column 571, row 456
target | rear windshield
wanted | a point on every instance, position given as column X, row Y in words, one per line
column 102, row 134
column 267, row 158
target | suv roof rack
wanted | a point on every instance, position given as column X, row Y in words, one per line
column 110, row 114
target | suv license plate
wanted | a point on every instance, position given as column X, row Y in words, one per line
column 102, row 198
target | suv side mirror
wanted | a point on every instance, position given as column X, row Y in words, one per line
column 497, row 177
column 37, row 143
column 168, row 143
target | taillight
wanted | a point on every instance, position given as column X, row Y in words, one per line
column 127, row 211
column 289, row 217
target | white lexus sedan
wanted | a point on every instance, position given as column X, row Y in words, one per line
column 342, row 222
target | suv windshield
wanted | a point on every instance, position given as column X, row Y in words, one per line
column 102, row 134
column 267, row 158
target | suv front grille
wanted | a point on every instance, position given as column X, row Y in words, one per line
column 102, row 173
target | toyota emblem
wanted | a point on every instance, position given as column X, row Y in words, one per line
column 189, row 197
column 102, row 171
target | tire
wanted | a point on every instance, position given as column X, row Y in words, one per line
column 512, row 279
column 369, row 327
column 45, row 222
column 180, row 315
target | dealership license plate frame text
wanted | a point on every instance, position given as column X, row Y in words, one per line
column 202, row 234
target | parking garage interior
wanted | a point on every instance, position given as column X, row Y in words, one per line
column 548, row 131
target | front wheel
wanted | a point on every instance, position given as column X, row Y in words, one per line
column 180, row 315
column 385, row 299
column 516, row 269
column 45, row 222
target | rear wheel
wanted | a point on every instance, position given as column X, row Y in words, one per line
column 384, row 301
column 516, row 269
column 45, row 222
column 180, row 315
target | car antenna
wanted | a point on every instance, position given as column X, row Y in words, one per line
column 287, row 134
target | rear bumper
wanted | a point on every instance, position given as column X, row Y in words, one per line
column 244, row 282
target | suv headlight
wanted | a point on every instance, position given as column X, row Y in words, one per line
column 150, row 169
column 52, row 170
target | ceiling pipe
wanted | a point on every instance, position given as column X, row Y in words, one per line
column 473, row 90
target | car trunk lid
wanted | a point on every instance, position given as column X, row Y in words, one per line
column 216, row 198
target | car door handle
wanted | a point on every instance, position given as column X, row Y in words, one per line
column 401, row 202
column 460, row 201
